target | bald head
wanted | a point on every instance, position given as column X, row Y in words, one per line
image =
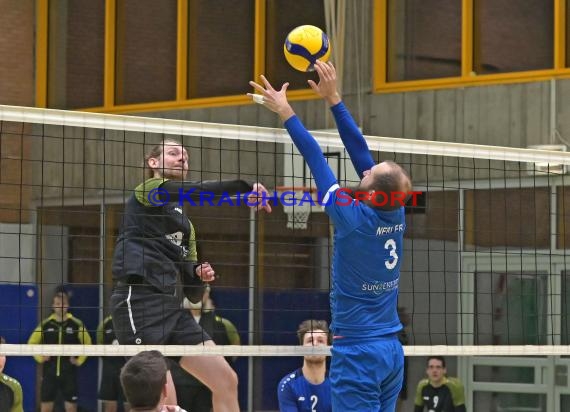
column 387, row 177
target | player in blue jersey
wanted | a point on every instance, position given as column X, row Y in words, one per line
column 367, row 358
column 308, row 388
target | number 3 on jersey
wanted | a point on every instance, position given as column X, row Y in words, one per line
column 391, row 245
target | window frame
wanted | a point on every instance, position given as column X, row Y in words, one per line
column 467, row 77
column 181, row 93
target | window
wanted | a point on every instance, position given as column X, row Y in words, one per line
column 220, row 64
column 516, row 218
column 512, row 35
column 146, row 51
column 139, row 55
column 76, row 53
column 282, row 17
column 429, row 43
column 424, row 39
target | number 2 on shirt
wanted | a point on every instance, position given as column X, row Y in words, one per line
column 391, row 244
column 314, row 401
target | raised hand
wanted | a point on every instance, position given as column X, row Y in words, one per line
column 274, row 100
column 256, row 198
column 327, row 86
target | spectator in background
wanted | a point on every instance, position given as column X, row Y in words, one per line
column 110, row 391
column 60, row 372
column 11, row 398
column 439, row 393
column 308, row 388
column 147, row 383
column 193, row 395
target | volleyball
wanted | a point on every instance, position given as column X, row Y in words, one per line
column 304, row 45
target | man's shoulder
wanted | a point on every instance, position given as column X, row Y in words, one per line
column 49, row 320
column 423, row 383
column 10, row 382
column 455, row 386
column 289, row 379
column 454, row 382
column 107, row 322
column 146, row 188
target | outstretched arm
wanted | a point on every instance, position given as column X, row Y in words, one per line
column 159, row 191
column 351, row 136
column 276, row 101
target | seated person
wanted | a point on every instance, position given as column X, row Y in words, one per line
column 308, row 388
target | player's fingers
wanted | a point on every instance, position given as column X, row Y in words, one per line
column 332, row 70
column 258, row 187
column 313, row 85
column 319, row 70
column 256, row 86
column 325, row 70
column 284, row 87
column 268, row 85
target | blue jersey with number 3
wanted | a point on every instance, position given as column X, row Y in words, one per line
column 297, row 394
column 366, row 267
column 367, row 364
column 367, row 241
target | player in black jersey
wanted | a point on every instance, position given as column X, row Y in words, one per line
column 11, row 399
column 59, row 373
column 156, row 252
column 439, row 393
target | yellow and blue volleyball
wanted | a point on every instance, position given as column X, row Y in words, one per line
column 305, row 45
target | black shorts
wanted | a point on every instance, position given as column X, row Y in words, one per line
column 110, row 388
column 142, row 316
column 66, row 384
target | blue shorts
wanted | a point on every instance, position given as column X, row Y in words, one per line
column 366, row 375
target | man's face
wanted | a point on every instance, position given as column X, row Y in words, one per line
column 173, row 163
column 315, row 337
column 435, row 371
column 60, row 305
column 2, row 362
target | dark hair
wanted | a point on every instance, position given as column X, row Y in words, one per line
column 60, row 290
column 312, row 324
column 155, row 152
column 394, row 181
column 142, row 379
column 2, row 340
column 439, row 358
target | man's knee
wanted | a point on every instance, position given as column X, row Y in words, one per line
column 232, row 379
column 227, row 384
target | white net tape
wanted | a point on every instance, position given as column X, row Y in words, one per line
column 274, row 350
column 264, row 134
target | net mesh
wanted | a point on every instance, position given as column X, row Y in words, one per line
column 485, row 260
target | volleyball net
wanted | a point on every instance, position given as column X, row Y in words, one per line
column 484, row 269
